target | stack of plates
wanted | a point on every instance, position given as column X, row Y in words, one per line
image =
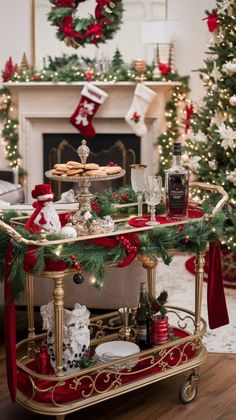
column 114, row 350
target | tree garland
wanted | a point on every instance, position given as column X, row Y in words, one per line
column 94, row 258
column 76, row 32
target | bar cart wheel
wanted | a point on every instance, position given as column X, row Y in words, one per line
column 187, row 392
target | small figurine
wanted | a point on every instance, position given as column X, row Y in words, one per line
column 42, row 361
column 45, row 215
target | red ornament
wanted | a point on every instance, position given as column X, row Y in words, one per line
column 73, row 257
column 124, row 197
column 36, row 77
column 9, row 70
column 212, row 21
column 115, row 196
column 77, row 266
column 164, row 68
column 89, row 74
column 186, row 240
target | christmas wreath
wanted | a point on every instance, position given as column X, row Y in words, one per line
column 97, row 28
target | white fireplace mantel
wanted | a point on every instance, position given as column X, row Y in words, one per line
column 44, row 107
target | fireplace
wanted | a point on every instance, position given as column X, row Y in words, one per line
column 123, row 149
column 44, row 107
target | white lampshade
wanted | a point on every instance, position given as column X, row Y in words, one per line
column 159, row 31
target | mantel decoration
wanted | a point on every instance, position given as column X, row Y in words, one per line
column 97, row 28
column 70, row 69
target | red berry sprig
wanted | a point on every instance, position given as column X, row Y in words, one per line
column 75, row 263
column 127, row 244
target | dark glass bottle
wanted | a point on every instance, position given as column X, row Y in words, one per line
column 176, row 187
column 143, row 319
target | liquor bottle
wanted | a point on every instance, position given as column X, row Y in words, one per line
column 143, row 319
column 176, row 187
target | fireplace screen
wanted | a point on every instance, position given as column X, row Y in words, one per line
column 123, row 149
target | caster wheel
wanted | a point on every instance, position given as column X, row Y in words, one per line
column 186, row 394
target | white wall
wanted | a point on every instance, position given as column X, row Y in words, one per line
column 15, row 35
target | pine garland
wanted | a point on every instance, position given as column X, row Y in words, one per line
column 93, row 258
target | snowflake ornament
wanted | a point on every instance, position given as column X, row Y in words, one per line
column 230, row 67
column 213, row 164
column 198, row 137
column 227, row 135
column 215, row 73
column 193, row 163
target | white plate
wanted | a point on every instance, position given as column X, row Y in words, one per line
column 115, row 349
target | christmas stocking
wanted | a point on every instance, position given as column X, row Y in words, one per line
column 143, row 96
column 91, row 98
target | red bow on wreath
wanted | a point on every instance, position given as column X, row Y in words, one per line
column 66, row 3
column 67, row 28
column 212, row 21
column 130, row 242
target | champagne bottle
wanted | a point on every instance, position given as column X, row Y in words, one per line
column 143, row 319
column 176, row 187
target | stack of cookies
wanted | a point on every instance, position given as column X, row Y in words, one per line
column 77, row 169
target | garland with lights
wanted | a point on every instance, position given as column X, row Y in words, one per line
column 93, row 256
column 211, row 142
column 9, row 131
column 76, row 31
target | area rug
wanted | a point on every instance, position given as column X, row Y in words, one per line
column 180, row 286
column 228, row 261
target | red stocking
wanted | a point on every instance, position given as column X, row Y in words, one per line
column 91, row 98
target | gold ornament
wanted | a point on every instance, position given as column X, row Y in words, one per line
column 147, row 261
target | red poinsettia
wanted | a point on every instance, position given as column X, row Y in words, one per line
column 9, row 70
column 65, row 3
column 212, row 21
column 164, row 68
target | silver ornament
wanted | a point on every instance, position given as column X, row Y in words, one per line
column 232, row 100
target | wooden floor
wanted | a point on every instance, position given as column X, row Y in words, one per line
column 216, row 398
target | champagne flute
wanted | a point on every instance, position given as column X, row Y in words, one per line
column 153, row 190
column 138, row 185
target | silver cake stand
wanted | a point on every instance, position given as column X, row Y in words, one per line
column 84, row 196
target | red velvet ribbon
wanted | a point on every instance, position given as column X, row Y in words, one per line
column 217, row 309
column 10, row 325
column 108, row 242
column 189, row 113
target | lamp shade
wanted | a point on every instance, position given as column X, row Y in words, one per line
column 159, row 31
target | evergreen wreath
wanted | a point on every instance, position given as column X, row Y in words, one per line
column 95, row 29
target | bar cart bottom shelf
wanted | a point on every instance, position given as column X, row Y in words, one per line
column 53, row 395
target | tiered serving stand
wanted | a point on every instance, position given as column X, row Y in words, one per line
column 62, row 393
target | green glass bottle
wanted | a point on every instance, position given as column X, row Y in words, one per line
column 143, row 319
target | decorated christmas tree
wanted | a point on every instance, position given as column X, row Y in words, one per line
column 211, row 142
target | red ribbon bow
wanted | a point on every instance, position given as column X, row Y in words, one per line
column 131, row 244
column 189, row 113
column 212, row 21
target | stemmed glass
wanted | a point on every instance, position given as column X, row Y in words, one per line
column 138, row 185
column 153, row 189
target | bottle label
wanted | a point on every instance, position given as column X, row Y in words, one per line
column 142, row 331
column 177, row 191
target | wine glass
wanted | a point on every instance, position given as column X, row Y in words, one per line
column 138, row 185
column 153, row 189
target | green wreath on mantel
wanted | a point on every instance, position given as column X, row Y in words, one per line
column 95, row 29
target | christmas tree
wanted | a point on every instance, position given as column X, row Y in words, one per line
column 117, row 60
column 211, row 143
